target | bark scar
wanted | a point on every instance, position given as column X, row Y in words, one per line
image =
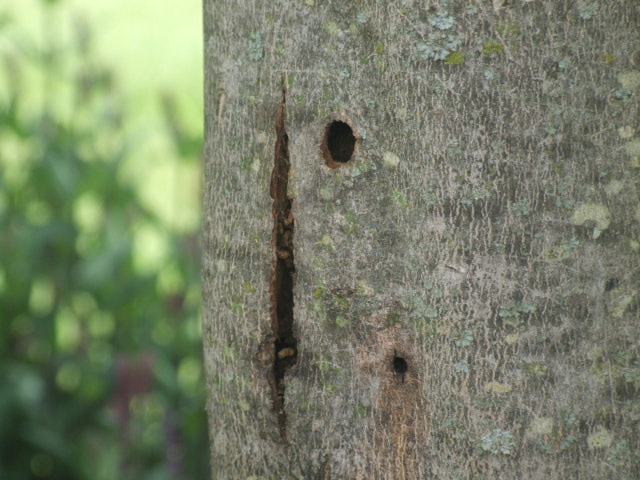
column 283, row 270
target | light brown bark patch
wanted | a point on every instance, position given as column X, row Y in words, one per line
column 399, row 416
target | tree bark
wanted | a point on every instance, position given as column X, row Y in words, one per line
column 421, row 239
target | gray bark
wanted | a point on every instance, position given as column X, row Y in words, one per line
column 486, row 231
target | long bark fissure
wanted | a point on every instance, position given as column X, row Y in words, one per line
column 282, row 271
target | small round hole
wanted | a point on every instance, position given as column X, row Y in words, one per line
column 611, row 284
column 338, row 144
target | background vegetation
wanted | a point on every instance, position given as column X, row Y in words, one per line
column 100, row 145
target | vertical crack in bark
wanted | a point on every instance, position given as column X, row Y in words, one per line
column 283, row 269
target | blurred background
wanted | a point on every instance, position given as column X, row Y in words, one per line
column 100, row 171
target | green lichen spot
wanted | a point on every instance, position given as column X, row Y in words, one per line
column 392, row 318
column 363, row 167
column 331, row 28
column 497, row 387
column 630, row 80
column 342, row 321
column 601, row 438
column 620, row 305
column 250, row 164
column 614, row 187
column 632, row 148
column 592, row 213
column 607, row 58
column 343, row 303
column 399, row 198
column 542, row 426
column 328, row 388
column 363, row 289
column 350, row 227
column 626, row 132
column 497, row 441
column 390, row 159
column 535, row 369
column 511, row 339
column 588, row 10
column 454, row 58
column 491, row 48
column 325, row 193
column 508, row 28
column 255, row 46
column 594, row 353
column 327, row 243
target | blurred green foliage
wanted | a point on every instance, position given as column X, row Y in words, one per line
column 100, row 348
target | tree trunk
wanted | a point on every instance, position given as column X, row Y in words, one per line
column 421, row 239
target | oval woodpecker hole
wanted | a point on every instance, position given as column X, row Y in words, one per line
column 338, row 144
column 400, row 366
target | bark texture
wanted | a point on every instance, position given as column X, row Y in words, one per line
column 486, row 231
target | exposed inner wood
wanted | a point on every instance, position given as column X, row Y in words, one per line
column 283, row 271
